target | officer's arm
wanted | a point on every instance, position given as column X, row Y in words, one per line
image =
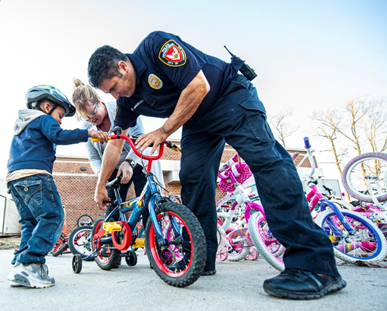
column 189, row 101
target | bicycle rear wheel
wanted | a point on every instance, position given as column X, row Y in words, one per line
column 366, row 243
column 80, row 241
column 366, row 174
column 267, row 245
column 181, row 261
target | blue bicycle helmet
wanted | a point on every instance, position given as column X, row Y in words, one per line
column 40, row 92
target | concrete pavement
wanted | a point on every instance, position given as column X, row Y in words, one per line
column 236, row 286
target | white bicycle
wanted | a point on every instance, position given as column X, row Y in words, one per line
column 365, row 177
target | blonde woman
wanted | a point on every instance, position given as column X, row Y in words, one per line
column 97, row 115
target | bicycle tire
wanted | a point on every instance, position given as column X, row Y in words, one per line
column 59, row 250
column 238, row 253
column 131, row 258
column 76, row 263
column 264, row 241
column 108, row 257
column 348, row 206
column 222, row 250
column 194, row 246
column 80, row 241
column 84, row 220
column 353, row 179
column 367, row 236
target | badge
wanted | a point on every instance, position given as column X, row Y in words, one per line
column 155, row 82
column 172, row 54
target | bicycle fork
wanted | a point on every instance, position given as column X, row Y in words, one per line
column 340, row 216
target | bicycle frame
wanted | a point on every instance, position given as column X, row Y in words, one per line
column 242, row 200
column 149, row 197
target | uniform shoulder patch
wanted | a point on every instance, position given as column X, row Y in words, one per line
column 172, row 54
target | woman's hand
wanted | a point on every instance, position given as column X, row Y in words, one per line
column 126, row 171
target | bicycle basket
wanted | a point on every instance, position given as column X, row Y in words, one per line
column 242, row 170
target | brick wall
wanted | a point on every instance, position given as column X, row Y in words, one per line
column 76, row 184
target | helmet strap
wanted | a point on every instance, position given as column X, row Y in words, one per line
column 38, row 106
column 53, row 108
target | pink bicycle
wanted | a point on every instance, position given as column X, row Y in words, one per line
column 234, row 210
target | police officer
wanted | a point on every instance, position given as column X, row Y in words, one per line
column 169, row 78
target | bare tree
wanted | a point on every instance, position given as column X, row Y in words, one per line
column 362, row 124
column 374, row 127
column 281, row 128
column 329, row 122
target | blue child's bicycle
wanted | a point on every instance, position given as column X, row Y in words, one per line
column 174, row 239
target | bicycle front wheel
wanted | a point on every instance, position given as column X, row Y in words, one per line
column 267, row 245
column 365, row 243
column 239, row 245
column 366, row 174
column 108, row 257
column 80, row 241
column 181, row 260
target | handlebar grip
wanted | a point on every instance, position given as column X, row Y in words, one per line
column 307, row 143
column 94, row 140
column 172, row 146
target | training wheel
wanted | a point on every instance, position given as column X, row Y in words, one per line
column 221, row 254
column 77, row 263
column 253, row 254
column 131, row 259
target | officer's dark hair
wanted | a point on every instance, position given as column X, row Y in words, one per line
column 103, row 64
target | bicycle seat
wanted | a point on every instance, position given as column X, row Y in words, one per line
column 115, row 183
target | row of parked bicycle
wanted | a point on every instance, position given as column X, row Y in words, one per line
column 357, row 230
column 173, row 236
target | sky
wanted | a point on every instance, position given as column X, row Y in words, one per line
column 308, row 55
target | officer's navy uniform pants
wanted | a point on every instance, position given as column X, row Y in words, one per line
column 239, row 119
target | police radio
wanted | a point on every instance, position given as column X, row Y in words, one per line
column 240, row 65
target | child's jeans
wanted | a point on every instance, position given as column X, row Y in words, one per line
column 41, row 215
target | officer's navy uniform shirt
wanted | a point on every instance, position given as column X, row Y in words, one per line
column 165, row 65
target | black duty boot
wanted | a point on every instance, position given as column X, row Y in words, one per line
column 300, row 284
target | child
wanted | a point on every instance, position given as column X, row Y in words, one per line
column 29, row 179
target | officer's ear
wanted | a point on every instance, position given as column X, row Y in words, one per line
column 122, row 66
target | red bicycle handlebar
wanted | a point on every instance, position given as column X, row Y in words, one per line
column 136, row 151
column 150, row 158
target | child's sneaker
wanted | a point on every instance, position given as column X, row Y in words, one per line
column 33, row 275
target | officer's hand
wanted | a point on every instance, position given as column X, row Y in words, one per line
column 154, row 138
column 101, row 197
column 126, row 171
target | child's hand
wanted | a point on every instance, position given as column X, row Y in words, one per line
column 102, row 136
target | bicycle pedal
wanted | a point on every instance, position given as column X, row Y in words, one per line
column 139, row 243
